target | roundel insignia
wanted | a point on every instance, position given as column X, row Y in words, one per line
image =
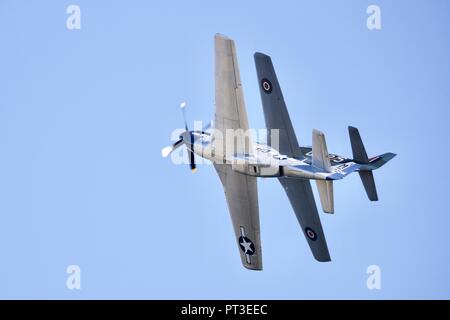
column 266, row 86
column 246, row 245
column 311, row 234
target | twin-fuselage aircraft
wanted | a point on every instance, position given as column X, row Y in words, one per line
column 239, row 161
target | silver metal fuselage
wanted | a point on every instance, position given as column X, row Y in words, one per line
column 265, row 161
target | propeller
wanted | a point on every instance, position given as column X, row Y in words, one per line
column 169, row 149
column 189, row 150
column 206, row 128
column 185, row 138
column 183, row 110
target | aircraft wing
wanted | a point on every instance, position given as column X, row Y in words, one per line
column 298, row 191
column 240, row 190
column 302, row 200
column 229, row 99
column 242, row 198
column 275, row 111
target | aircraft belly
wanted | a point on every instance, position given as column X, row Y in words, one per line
column 256, row 170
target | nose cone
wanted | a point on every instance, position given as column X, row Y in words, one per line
column 186, row 137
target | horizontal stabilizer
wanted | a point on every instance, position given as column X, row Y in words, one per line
column 325, row 188
column 369, row 184
column 378, row 161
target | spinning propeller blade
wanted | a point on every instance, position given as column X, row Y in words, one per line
column 189, row 144
column 169, row 149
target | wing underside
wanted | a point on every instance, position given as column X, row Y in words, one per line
column 298, row 191
column 240, row 190
column 302, row 200
column 275, row 111
column 242, row 199
column 230, row 115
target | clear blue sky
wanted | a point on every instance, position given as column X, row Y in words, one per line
column 84, row 114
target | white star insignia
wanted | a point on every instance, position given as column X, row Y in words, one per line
column 247, row 246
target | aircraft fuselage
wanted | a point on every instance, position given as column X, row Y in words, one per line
column 265, row 161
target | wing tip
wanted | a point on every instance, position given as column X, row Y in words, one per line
column 223, row 44
column 253, row 267
column 352, row 129
column 220, row 36
column 391, row 154
column 263, row 56
column 318, row 132
column 323, row 259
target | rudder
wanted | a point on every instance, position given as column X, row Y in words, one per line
column 360, row 156
column 321, row 160
column 325, row 188
column 369, row 184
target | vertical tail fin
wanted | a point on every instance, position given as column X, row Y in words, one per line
column 325, row 188
column 320, row 157
column 369, row 184
column 360, row 156
column 321, row 161
column 359, row 152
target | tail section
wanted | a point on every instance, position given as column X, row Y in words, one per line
column 379, row 161
column 320, row 157
column 367, row 165
column 325, row 188
column 359, row 152
column 369, row 184
column 321, row 160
